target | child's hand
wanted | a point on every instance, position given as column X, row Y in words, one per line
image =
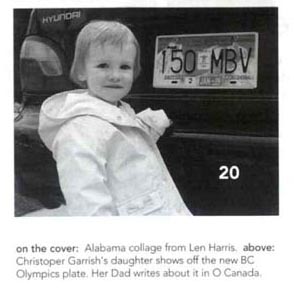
column 156, row 119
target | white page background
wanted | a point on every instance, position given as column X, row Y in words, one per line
column 267, row 230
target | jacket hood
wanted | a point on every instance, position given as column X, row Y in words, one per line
column 61, row 107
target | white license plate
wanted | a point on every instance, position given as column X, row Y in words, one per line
column 225, row 60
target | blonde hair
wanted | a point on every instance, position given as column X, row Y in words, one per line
column 102, row 32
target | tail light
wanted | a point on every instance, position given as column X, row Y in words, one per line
column 43, row 69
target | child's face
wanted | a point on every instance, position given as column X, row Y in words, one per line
column 109, row 70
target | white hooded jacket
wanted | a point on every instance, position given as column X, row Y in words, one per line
column 107, row 159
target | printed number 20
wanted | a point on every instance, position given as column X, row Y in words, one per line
column 227, row 173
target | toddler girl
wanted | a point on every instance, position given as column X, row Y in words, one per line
column 106, row 155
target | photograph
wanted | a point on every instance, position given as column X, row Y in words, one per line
column 146, row 111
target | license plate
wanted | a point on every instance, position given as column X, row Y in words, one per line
column 206, row 61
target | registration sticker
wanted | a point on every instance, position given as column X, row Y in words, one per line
column 224, row 60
